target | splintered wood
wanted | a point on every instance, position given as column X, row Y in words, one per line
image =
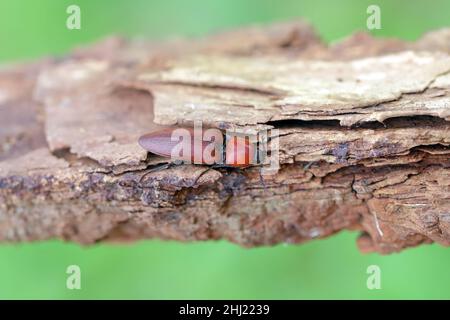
column 363, row 132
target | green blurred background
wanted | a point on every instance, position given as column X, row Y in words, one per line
column 327, row 269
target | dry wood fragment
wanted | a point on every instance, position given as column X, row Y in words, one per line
column 363, row 132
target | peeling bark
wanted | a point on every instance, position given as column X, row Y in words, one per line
column 363, row 131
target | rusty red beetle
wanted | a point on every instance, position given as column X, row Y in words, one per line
column 201, row 146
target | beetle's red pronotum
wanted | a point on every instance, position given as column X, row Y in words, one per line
column 201, row 146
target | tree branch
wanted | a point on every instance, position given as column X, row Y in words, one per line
column 363, row 134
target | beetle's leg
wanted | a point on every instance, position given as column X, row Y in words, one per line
column 261, row 179
column 214, row 166
column 157, row 168
column 306, row 167
column 201, row 175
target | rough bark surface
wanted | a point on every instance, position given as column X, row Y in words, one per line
column 363, row 134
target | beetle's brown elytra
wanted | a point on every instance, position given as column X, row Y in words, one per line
column 200, row 146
